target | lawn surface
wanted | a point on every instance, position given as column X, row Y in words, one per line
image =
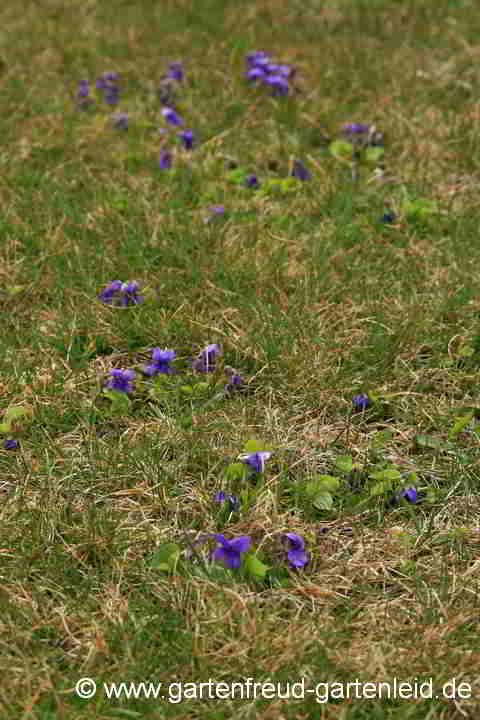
column 339, row 279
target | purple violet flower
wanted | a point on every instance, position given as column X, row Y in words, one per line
column 252, row 181
column 236, row 382
column 206, row 359
column 121, row 380
column 388, row 217
column 83, row 94
column 255, row 73
column 176, row 71
column 258, row 57
column 172, row 116
column 111, row 291
column 232, row 500
column 161, row 360
column 120, row 121
column 11, row 444
column 278, row 84
column 300, row 171
column 188, row 139
column 257, row 460
column 297, row 555
column 410, row 494
column 361, row 401
column 229, row 551
column 165, row 160
column 355, row 128
column 129, row 294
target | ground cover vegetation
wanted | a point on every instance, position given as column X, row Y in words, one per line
column 240, row 355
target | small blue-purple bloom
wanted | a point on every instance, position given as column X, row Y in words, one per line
column 172, row 116
column 83, row 94
column 410, row 494
column 236, row 382
column 300, row 171
column 11, row 444
column 121, row 380
column 111, row 291
column 255, row 73
column 188, row 139
column 278, row 84
column 206, row 360
column 120, row 121
column 257, row 460
column 388, row 217
column 165, row 160
column 361, row 401
column 229, row 552
column 355, row 128
column 297, row 555
column 232, row 500
column 176, row 71
column 129, row 294
column 257, row 58
column 252, row 181
column 161, row 360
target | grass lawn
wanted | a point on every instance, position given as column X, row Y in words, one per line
column 239, row 359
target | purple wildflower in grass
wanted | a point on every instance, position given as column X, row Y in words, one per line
column 120, row 121
column 165, row 160
column 11, row 444
column 129, row 294
column 252, row 181
column 361, row 401
column 121, row 380
column 83, row 94
column 172, row 116
column 255, row 73
column 278, row 84
column 176, row 71
column 161, row 360
column 229, row 552
column 218, row 210
column 388, row 217
column 257, row 460
column 355, row 128
column 297, row 555
column 233, row 500
column 410, row 494
column 300, row 171
column 111, row 291
column 258, row 57
column 207, row 358
column 107, row 83
column 236, row 382
column 188, row 139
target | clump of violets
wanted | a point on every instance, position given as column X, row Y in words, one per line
column 188, row 139
column 120, row 121
column 260, row 68
column 409, row 494
column 232, row 500
column 206, row 360
column 297, row 555
column 161, row 362
column 171, row 116
column 229, row 552
column 300, row 171
column 252, row 181
column 122, row 294
column 165, row 160
column 11, row 444
column 108, row 84
column 121, row 380
column 256, row 461
column 388, row 217
column 83, row 96
column 361, row 401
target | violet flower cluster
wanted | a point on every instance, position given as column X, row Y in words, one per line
column 260, row 68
